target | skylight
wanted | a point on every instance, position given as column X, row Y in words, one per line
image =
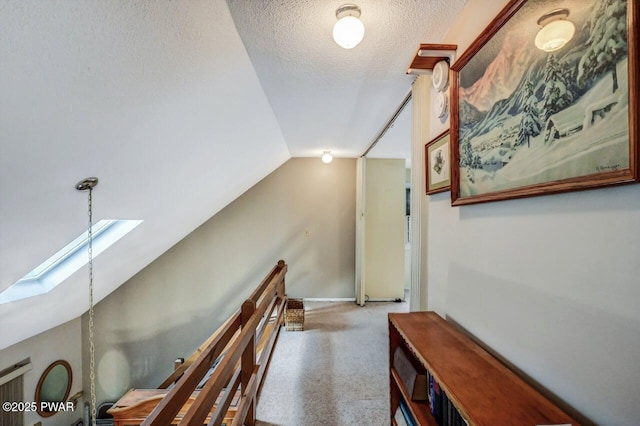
column 68, row 260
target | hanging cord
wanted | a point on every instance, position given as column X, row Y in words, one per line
column 89, row 183
column 92, row 348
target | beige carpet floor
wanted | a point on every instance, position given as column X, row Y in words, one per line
column 335, row 372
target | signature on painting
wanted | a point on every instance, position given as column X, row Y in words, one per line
column 610, row 168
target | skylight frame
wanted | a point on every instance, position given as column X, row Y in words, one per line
column 69, row 250
column 66, row 261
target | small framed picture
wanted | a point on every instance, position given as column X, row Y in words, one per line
column 438, row 164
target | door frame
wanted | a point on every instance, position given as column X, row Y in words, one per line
column 361, row 168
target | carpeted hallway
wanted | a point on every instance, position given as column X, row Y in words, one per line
column 333, row 373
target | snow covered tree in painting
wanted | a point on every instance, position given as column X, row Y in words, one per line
column 556, row 93
column 468, row 157
column 530, row 125
column 570, row 77
column 607, row 43
column 466, row 154
column 476, row 163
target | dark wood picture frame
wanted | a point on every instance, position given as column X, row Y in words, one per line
column 467, row 126
column 440, row 147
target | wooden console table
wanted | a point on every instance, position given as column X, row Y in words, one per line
column 479, row 389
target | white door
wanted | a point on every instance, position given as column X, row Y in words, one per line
column 380, row 210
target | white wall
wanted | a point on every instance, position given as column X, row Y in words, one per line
column 550, row 283
column 304, row 213
column 421, row 113
column 62, row 342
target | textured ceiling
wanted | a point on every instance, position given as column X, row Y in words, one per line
column 178, row 107
column 326, row 97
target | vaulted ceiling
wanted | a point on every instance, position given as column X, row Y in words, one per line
column 178, row 107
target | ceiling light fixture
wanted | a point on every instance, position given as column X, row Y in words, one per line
column 327, row 157
column 349, row 30
column 556, row 31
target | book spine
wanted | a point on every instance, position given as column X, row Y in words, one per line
column 437, row 402
column 446, row 410
column 430, row 390
column 410, row 421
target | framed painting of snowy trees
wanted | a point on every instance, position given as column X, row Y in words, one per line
column 527, row 121
column 438, row 164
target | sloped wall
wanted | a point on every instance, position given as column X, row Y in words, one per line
column 304, row 212
column 550, row 283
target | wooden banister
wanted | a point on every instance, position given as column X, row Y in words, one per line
column 280, row 269
column 171, row 404
column 269, row 343
column 249, row 354
column 199, row 410
column 241, row 347
column 225, row 402
column 178, row 372
column 246, row 404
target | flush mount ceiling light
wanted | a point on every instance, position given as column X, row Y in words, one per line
column 349, row 30
column 556, row 31
column 327, row 157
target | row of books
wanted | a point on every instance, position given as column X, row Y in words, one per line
column 442, row 409
column 422, row 386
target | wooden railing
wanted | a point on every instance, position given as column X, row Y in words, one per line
column 241, row 347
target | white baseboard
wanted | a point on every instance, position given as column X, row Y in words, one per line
column 329, row 299
column 381, row 300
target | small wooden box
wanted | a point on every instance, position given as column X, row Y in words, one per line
column 294, row 315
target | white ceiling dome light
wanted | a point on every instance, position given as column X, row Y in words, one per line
column 349, row 30
column 327, row 157
column 556, row 30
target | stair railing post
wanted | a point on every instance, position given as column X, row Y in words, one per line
column 280, row 291
column 248, row 362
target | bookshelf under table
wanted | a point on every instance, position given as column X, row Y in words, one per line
column 482, row 389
